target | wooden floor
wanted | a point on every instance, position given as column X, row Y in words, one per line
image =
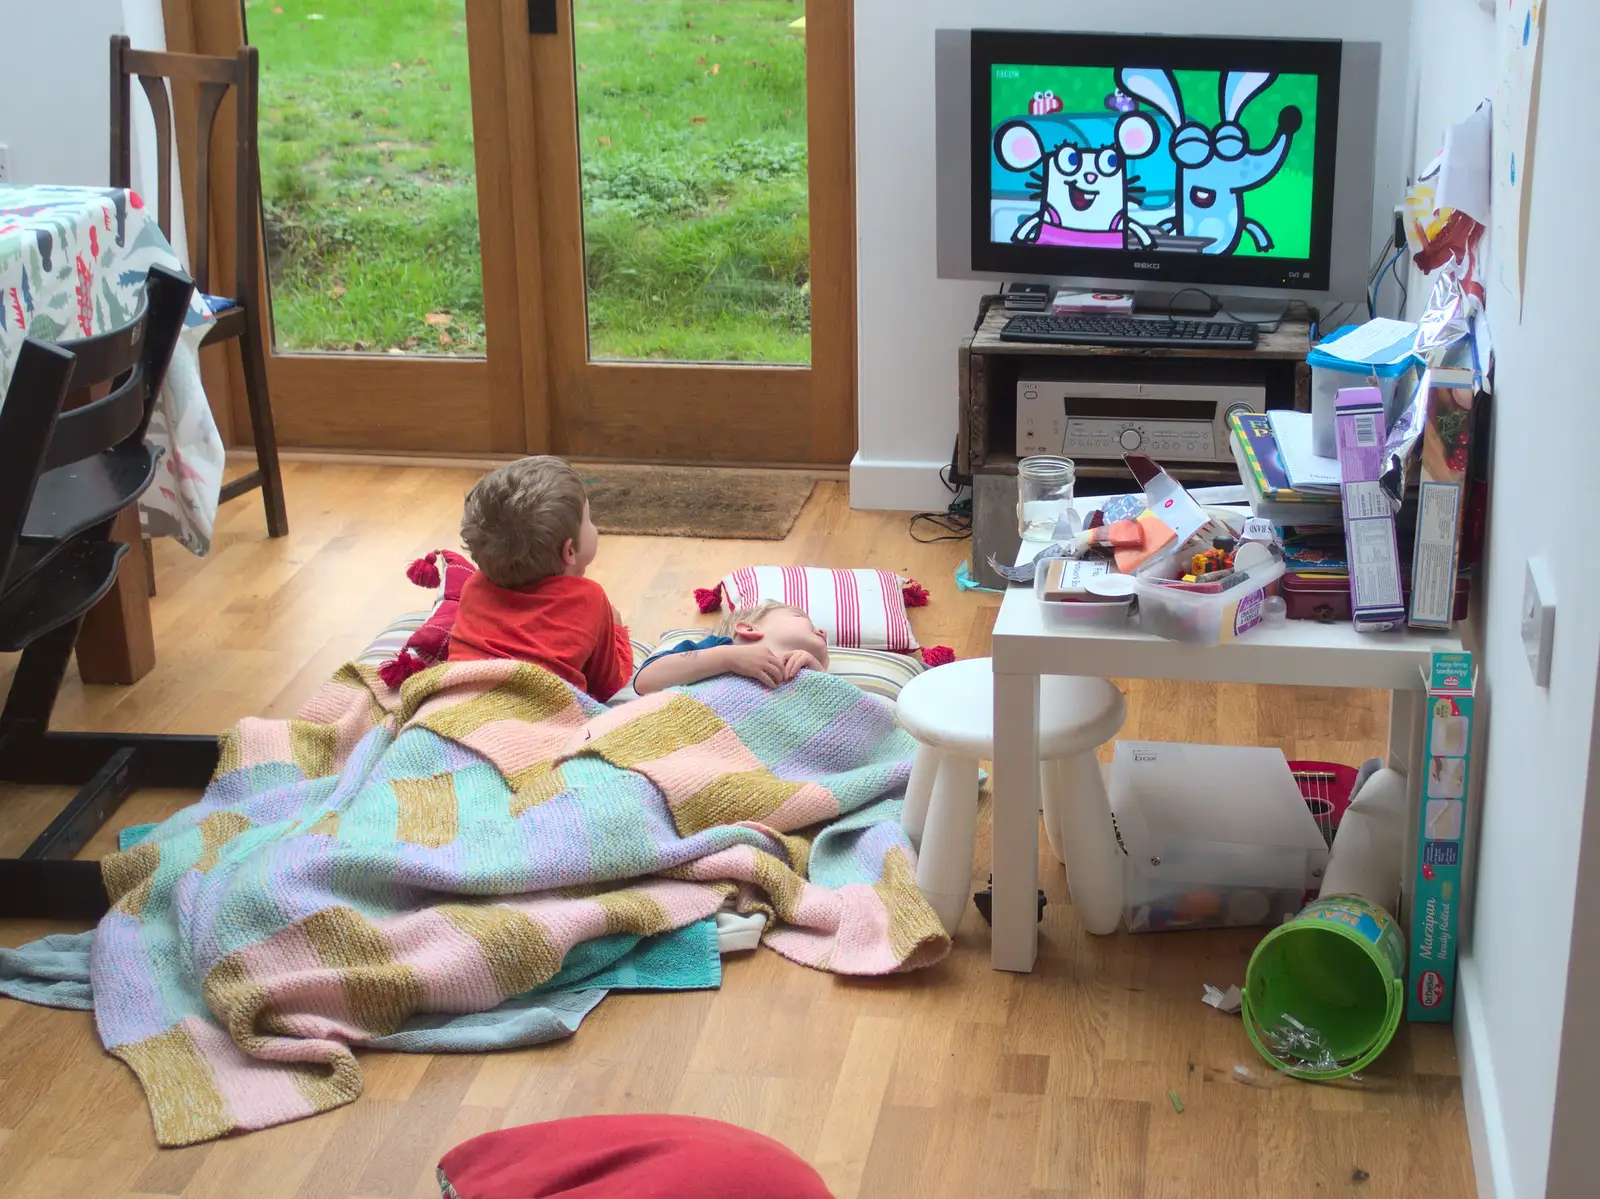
column 957, row 1081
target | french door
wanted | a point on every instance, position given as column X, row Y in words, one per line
column 609, row 229
column 730, row 114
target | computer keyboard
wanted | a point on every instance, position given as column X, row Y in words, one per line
column 1129, row 331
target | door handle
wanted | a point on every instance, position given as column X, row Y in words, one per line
column 542, row 16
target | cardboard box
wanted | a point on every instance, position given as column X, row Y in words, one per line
column 1447, row 394
column 1436, row 901
column 1376, row 600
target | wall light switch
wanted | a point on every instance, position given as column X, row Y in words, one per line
column 1538, row 621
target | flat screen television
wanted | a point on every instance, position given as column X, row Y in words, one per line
column 1209, row 162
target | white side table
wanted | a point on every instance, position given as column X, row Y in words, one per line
column 1296, row 653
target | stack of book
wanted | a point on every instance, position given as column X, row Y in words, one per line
column 1286, row 482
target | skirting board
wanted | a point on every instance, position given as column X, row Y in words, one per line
column 1486, row 1129
column 897, row 486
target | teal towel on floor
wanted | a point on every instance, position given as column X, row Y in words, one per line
column 684, row 959
column 53, row 971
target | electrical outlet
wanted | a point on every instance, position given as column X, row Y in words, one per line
column 1538, row 621
column 5, row 163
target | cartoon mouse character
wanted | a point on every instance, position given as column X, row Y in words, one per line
column 1081, row 190
column 1216, row 166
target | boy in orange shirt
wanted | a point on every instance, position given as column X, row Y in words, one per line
column 527, row 527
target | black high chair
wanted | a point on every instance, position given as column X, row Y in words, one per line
column 64, row 477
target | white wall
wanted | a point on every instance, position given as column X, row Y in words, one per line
column 910, row 322
column 54, row 112
column 1514, row 1019
column 56, row 122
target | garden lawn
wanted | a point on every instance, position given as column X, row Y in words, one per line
column 692, row 124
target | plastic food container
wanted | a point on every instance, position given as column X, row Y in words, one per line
column 1212, row 836
column 1329, row 374
column 1325, row 595
column 1075, row 614
column 1202, row 619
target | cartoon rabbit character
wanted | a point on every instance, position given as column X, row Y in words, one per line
column 1081, row 190
column 1216, row 166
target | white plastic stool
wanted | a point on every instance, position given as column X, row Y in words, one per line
column 950, row 711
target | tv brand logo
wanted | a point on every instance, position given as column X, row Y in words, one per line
column 1147, row 266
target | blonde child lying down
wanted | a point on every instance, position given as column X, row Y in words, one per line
column 771, row 644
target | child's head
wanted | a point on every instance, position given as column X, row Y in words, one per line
column 782, row 627
column 529, row 520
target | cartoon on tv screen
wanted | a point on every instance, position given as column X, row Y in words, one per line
column 1147, row 159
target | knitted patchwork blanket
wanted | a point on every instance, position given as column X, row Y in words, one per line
column 389, row 856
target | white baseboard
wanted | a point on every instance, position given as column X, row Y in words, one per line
column 1486, row 1129
column 897, row 486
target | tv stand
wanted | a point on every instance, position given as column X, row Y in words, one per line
column 988, row 370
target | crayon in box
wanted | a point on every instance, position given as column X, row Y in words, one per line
column 1436, row 901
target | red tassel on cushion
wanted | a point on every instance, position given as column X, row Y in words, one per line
column 937, row 655
column 708, row 599
column 430, row 641
column 916, row 595
column 400, row 668
column 423, row 572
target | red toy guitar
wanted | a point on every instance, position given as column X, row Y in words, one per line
column 1326, row 787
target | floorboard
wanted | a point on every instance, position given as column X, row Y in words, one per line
column 957, row 1081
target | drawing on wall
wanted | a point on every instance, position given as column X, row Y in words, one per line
column 1516, row 104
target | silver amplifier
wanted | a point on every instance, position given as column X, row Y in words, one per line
column 1177, row 422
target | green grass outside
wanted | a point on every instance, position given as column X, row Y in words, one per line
column 692, row 123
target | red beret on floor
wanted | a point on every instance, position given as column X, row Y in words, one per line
column 626, row 1157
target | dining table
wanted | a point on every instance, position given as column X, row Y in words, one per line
column 73, row 263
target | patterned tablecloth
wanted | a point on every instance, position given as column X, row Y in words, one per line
column 73, row 262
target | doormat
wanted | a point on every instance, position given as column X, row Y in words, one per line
column 696, row 501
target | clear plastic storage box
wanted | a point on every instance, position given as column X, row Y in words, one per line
column 1207, row 619
column 1213, row 836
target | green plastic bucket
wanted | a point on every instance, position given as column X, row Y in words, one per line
column 1339, row 968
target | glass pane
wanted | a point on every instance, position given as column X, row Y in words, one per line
column 692, row 127
column 369, row 188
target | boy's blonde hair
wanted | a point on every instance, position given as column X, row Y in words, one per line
column 519, row 518
column 754, row 616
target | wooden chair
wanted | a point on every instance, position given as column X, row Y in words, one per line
column 64, row 477
column 239, row 313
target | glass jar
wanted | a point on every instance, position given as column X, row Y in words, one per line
column 1044, row 493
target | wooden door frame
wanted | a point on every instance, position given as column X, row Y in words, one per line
column 706, row 413
column 521, row 401
column 416, row 403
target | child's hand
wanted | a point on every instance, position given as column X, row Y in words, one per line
column 756, row 661
column 797, row 660
column 615, row 614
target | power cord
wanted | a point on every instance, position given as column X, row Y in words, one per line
column 1400, row 280
column 953, row 524
column 984, row 304
column 1337, row 313
column 1375, row 273
column 1263, row 326
column 1388, row 268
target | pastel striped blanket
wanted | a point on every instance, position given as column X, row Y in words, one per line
column 439, row 850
